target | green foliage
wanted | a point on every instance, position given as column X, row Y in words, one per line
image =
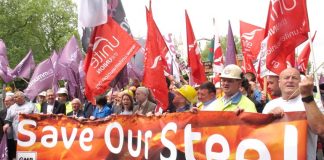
column 223, row 41
column 39, row 25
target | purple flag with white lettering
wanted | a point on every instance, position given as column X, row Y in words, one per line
column 4, row 64
column 25, row 67
column 230, row 57
column 41, row 80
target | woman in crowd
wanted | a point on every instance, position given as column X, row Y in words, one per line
column 102, row 110
column 127, row 104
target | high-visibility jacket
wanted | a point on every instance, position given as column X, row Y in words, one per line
column 238, row 101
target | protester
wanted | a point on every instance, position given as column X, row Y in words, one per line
column 76, row 109
column 247, row 91
column 296, row 95
column 63, row 97
column 231, row 81
column 184, row 98
column 52, row 106
column 257, row 95
column 102, row 110
column 207, row 96
column 20, row 107
column 219, row 91
column 144, row 106
column 127, row 104
column 41, row 98
column 273, row 85
column 88, row 109
column 8, row 102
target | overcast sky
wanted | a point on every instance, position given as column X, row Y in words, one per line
column 169, row 16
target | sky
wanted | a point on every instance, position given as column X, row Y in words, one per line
column 169, row 16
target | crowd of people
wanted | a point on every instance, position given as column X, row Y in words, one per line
column 237, row 92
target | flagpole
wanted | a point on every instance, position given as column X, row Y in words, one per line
column 314, row 66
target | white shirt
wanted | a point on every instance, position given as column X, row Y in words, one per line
column 210, row 106
column 49, row 109
column 292, row 105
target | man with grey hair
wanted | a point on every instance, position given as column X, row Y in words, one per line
column 76, row 109
column 144, row 106
column 20, row 107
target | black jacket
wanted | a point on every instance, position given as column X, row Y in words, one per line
column 57, row 109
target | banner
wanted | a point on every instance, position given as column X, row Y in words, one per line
column 206, row 135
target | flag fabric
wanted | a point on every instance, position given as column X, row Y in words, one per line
column 211, row 50
column 154, row 78
column 4, row 147
column 218, row 64
column 302, row 60
column 133, row 71
column 291, row 60
column 160, row 43
column 287, row 27
column 4, row 64
column 69, row 61
column 25, row 67
column 71, row 54
column 41, row 79
column 92, row 13
column 110, row 49
column 197, row 70
column 230, row 57
column 171, row 57
column 251, row 38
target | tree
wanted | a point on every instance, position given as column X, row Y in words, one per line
column 42, row 26
column 223, row 41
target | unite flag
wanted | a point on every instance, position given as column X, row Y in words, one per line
column 197, row 70
column 154, row 63
column 251, row 38
column 109, row 50
column 287, row 27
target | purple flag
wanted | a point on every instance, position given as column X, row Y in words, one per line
column 134, row 72
column 25, row 67
column 69, row 61
column 54, row 58
column 4, row 148
column 71, row 54
column 4, row 64
column 41, row 80
column 230, row 57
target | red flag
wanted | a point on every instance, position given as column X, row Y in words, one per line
column 153, row 64
column 194, row 62
column 287, row 27
column 218, row 60
column 109, row 50
column 291, row 60
column 251, row 38
column 302, row 60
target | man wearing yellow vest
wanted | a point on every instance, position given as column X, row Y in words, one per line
column 62, row 95
column 41, row 98
column 232, row 100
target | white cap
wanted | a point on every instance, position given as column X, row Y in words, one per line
column 269, row 73
column 232, row 71
column 62, row 91
column 42, row 93
column 9, row 94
